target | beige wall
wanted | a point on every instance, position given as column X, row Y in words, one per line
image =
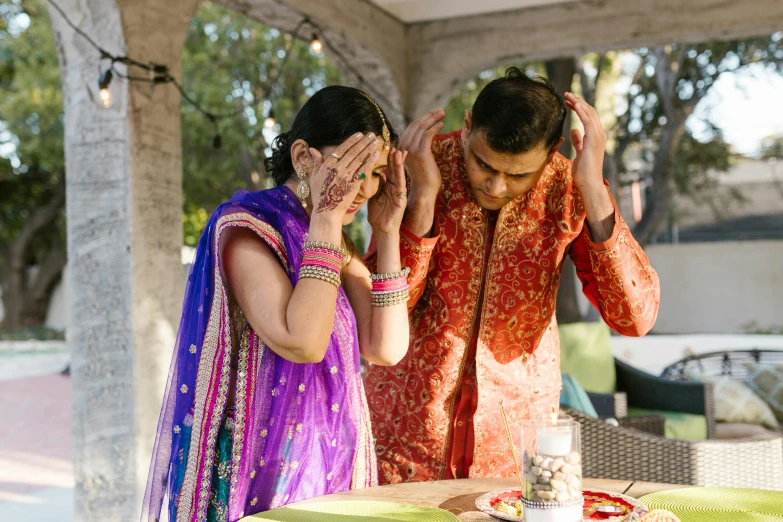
column 718, row 287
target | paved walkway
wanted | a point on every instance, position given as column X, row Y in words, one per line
column 36, row 472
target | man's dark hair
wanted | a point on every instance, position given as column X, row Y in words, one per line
column 517, row 113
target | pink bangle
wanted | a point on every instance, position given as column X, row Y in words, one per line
column 394, row 284
column 321, row 257
column 390, row 285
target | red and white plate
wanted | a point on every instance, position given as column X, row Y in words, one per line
column 487, row 502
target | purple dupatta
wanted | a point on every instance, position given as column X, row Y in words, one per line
column 300, row 430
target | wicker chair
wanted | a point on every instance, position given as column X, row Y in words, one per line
column 629, row 454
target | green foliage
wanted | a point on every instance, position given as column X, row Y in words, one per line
column 754, row 328
column 229, row 63
column 693, row 70
column 32, row 162
column 33, row 334
column 772, row 147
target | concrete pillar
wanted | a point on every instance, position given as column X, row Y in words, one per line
column 372, row 40
column 124, row 208
column 443, row 54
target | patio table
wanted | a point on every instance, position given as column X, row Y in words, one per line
column 459, row 496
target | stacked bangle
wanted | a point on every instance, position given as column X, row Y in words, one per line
column 322, row 261
column 320, row 245
column 391, row 288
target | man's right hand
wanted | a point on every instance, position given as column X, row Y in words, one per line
column 424, row 172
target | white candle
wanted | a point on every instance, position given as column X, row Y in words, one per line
column 554, row 442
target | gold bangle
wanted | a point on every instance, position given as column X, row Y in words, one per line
column 390, row 299
column 391, row 275
column 324, row 274
column 326, row 246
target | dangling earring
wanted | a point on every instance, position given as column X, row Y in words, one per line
column 303, row 189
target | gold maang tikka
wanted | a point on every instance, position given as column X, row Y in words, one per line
column 385, row 134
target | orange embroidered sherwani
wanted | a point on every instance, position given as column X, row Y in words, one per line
column 483, row 328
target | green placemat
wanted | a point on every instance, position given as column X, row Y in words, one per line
column 354, row 510
column 719, row 504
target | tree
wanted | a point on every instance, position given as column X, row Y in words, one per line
column 32, row 183
column 229, row 63
column 671, row 82
column 233, row 63
column 772, row 147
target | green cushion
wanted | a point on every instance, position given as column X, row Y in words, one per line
column 585, row 353
column 574, row 396
column 680, row 426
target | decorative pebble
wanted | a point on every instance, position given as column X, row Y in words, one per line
column 553, row 478
column 558, row 485
column 545, row 495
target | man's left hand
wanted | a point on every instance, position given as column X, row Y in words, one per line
column 587, row 169
column 588, row 165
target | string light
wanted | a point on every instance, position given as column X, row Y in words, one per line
column 158, row 73
column 316, row 45
column 104, row 94
column 269, row 122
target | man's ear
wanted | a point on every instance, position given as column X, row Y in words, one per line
column 554, row 149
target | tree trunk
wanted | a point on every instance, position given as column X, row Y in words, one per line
column 667, row 73
column 561, row 73
column 611, row 175
column 567, row 307
column 657, row 208
column 19, row 298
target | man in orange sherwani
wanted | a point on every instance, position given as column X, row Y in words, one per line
column 492, row 212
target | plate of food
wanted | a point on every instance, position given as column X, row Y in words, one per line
column 505, row 504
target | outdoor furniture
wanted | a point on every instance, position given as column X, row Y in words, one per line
column 638, row 389
column 732, row 364
column 625, row 454
column 614, row 386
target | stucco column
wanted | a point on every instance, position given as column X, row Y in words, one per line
column 124, row 219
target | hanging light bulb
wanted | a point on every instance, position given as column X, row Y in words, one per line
column 104, row 94
column 269, row 122
column 105, row 97
column 316, row 45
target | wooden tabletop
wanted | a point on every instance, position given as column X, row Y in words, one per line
column 459, row 496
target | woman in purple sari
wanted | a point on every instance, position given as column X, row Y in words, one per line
column 265, row 404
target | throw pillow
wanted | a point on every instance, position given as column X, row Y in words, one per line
column 767, row 382
column 586, row 353
column 574, row 396
column 735, row 402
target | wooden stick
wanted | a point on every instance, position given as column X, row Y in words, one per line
column 513, row 449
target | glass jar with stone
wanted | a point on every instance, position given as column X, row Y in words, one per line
column 552, row 467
